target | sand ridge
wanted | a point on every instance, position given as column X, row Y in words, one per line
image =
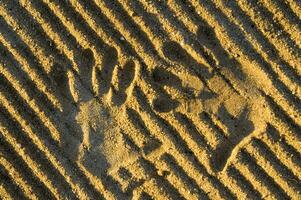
column 150, row 99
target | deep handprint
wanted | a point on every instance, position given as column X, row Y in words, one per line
column 207, row 100
column 95, row 97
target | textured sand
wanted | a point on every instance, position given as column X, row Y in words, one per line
column 175, row 99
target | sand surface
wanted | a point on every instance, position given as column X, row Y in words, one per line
column 150, row 99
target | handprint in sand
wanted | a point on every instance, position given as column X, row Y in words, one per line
column 95, row 94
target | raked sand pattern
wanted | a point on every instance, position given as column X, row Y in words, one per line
column 142, row 99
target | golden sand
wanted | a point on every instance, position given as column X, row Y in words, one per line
column 177, row 99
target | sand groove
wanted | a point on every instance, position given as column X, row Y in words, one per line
column 143, row 99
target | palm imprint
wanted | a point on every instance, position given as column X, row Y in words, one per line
column 205, row 99
column 94, row 106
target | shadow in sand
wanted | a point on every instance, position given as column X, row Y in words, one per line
column 175, row 52
column 207, row 37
